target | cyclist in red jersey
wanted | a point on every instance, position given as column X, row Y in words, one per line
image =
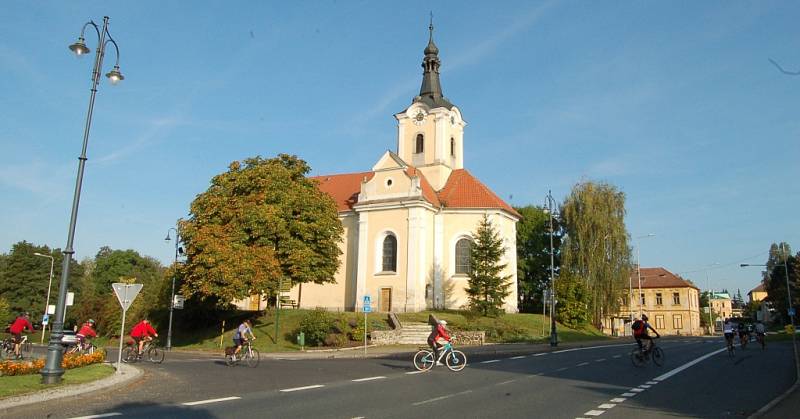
column 86, row 331
column 20, row 324
column 142, row 333
column 440, row 331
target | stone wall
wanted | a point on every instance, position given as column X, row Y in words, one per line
column 461, row 338
column 469, row 338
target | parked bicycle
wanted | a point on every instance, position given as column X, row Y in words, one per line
column 640, row 356
column 151, row 351
column 248, row 354
column 453, row 358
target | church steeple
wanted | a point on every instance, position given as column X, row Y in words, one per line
column 431, row 91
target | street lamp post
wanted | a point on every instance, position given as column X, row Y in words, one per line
column 553, row 329
column 49, row 285
column 710, row 310
column 639, row 269
column 52, row 371
column 788, row 290
column 172, row 295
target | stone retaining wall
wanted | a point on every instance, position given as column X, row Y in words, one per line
column 461, row 338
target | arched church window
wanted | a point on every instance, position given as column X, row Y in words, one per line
column 452, row 147
column 389, row 254
column 420, row 144
column 463, row 248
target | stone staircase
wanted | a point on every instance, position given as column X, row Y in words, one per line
column 414, row 334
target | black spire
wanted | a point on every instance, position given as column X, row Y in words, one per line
column 431, row 91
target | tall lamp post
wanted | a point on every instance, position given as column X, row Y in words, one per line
column 639, row 269
column 52, row 371
column 172, row 295
column 710, row 294
column 553, row 330
column 49, row 284
column 788, row 290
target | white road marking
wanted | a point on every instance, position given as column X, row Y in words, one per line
column 562, row 369
column 414, row 372
column 595, row 412
column 637, row 390
column 104, row 415
column 645, row 386
column 222, row 399
column 287, row 390
column 540, row 354
column 367, row 379
column 591, row 347
column 606, row 406
column 436, row 399
column 617, row 356
column 583, row 364
column 688, row 364
column 490, row 361
column 652, row 382
column 599, row 360
column 518, row 357
column 628, row 394
column 505, row 382
column 618, row 400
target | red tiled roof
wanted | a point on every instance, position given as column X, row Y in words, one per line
column 660, row 278
column 465, row 191
column 344, row 188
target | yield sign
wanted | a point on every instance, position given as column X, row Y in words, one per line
column 126, row 293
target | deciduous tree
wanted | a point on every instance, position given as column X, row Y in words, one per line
column 260, row 221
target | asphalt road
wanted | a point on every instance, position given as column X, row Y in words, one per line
column 575, row 383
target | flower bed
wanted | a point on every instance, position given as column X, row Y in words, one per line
column 33, row 367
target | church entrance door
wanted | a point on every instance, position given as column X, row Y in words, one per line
column 386, row 300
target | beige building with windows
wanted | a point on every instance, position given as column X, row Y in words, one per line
column 409, row 220
column 671, row 303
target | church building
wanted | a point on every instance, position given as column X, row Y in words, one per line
column 409, row 220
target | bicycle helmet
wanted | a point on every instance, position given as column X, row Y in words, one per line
column 443, row 322
column 91, row 321
column 644, row 317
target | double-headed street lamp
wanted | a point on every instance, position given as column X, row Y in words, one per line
column 52, row 371
column 172, row 295
column 49, row 284
column 553, row 332
column 788, row 290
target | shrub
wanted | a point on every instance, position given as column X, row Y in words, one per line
column 33, row 367
column 316, row 325
column 336, row 340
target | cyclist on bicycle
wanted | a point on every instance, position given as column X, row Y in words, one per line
column 640, row 333
column 240, row 336
column 141, row 333
column 440, row 331
column 728, row 331
column 87, row 331
column 20, row 324
column 743, row 335
column 760, row 331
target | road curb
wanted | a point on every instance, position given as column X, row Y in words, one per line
column 769, row 406
column 128, row 373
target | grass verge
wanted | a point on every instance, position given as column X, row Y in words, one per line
column 22, row 384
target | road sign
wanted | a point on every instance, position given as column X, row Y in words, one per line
column 126, row 293
column 70, row 298
column 177, row 303
column 791, row 311
column 45, row 320
column 367, row 300
column 367, row 309
column 51, row 309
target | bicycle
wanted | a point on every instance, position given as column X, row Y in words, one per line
column 454, row 359
column 729, row 343
column 761, row 339
column 87, row 348
column 8, row 347
column 155, row 354
column 249, row 354
column 639, row 356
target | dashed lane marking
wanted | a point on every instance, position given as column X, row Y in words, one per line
column 288, row 390
column 629, row 394
column 618, row 400
column 599, row 360
column 645, row 386
column 358, row 380
column 652, row 382
column 617, row 356
column 102, row 415
column 540, row 354
column 490, row 361
column 594, row 412
column 221, row 399
column 505, row 382
column 606, row 405
column 518, row 357
column 414, row 372
column 436, row 399
column 562, row 368
column 591, row 347
column 637, row 390
column 583, row 364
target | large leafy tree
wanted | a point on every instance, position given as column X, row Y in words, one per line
column 487, row 287
column 24, row 277
column 780, row 258
column 595, row 249
column 533, row 255
column 260, row 222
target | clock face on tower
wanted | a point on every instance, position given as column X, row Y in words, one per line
column 419, row 117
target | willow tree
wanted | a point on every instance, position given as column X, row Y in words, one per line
column 261, row 222
column 595, row 250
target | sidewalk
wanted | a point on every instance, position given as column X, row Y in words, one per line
column 786, row 405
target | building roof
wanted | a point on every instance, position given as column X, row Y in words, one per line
column 720, row 296
column 430, row 92
column 660, row 278
column 461, row 191
column 759, row 288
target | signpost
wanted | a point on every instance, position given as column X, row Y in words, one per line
column 126, row 293
column 177, row 303
column 367, row 309
column 70, row 302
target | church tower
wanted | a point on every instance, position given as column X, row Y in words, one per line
column 430, row 132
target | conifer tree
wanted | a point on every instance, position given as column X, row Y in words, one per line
column 487, row 286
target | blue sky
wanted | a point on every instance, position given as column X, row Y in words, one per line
column 674, row 103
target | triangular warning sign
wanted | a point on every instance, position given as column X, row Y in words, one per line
column 126, row 293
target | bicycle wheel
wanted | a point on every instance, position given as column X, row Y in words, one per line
column 155, row 355
column 423, row 360
column 129, row 355
column 456, row 360
column 252, row 358
column 658, row 356
column 637, row 357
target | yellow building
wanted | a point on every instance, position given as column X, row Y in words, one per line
column 722, row 304
column 758, row 293
column 408, row 221
column 671, row 303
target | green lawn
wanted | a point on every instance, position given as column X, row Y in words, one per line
column 22, row 384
